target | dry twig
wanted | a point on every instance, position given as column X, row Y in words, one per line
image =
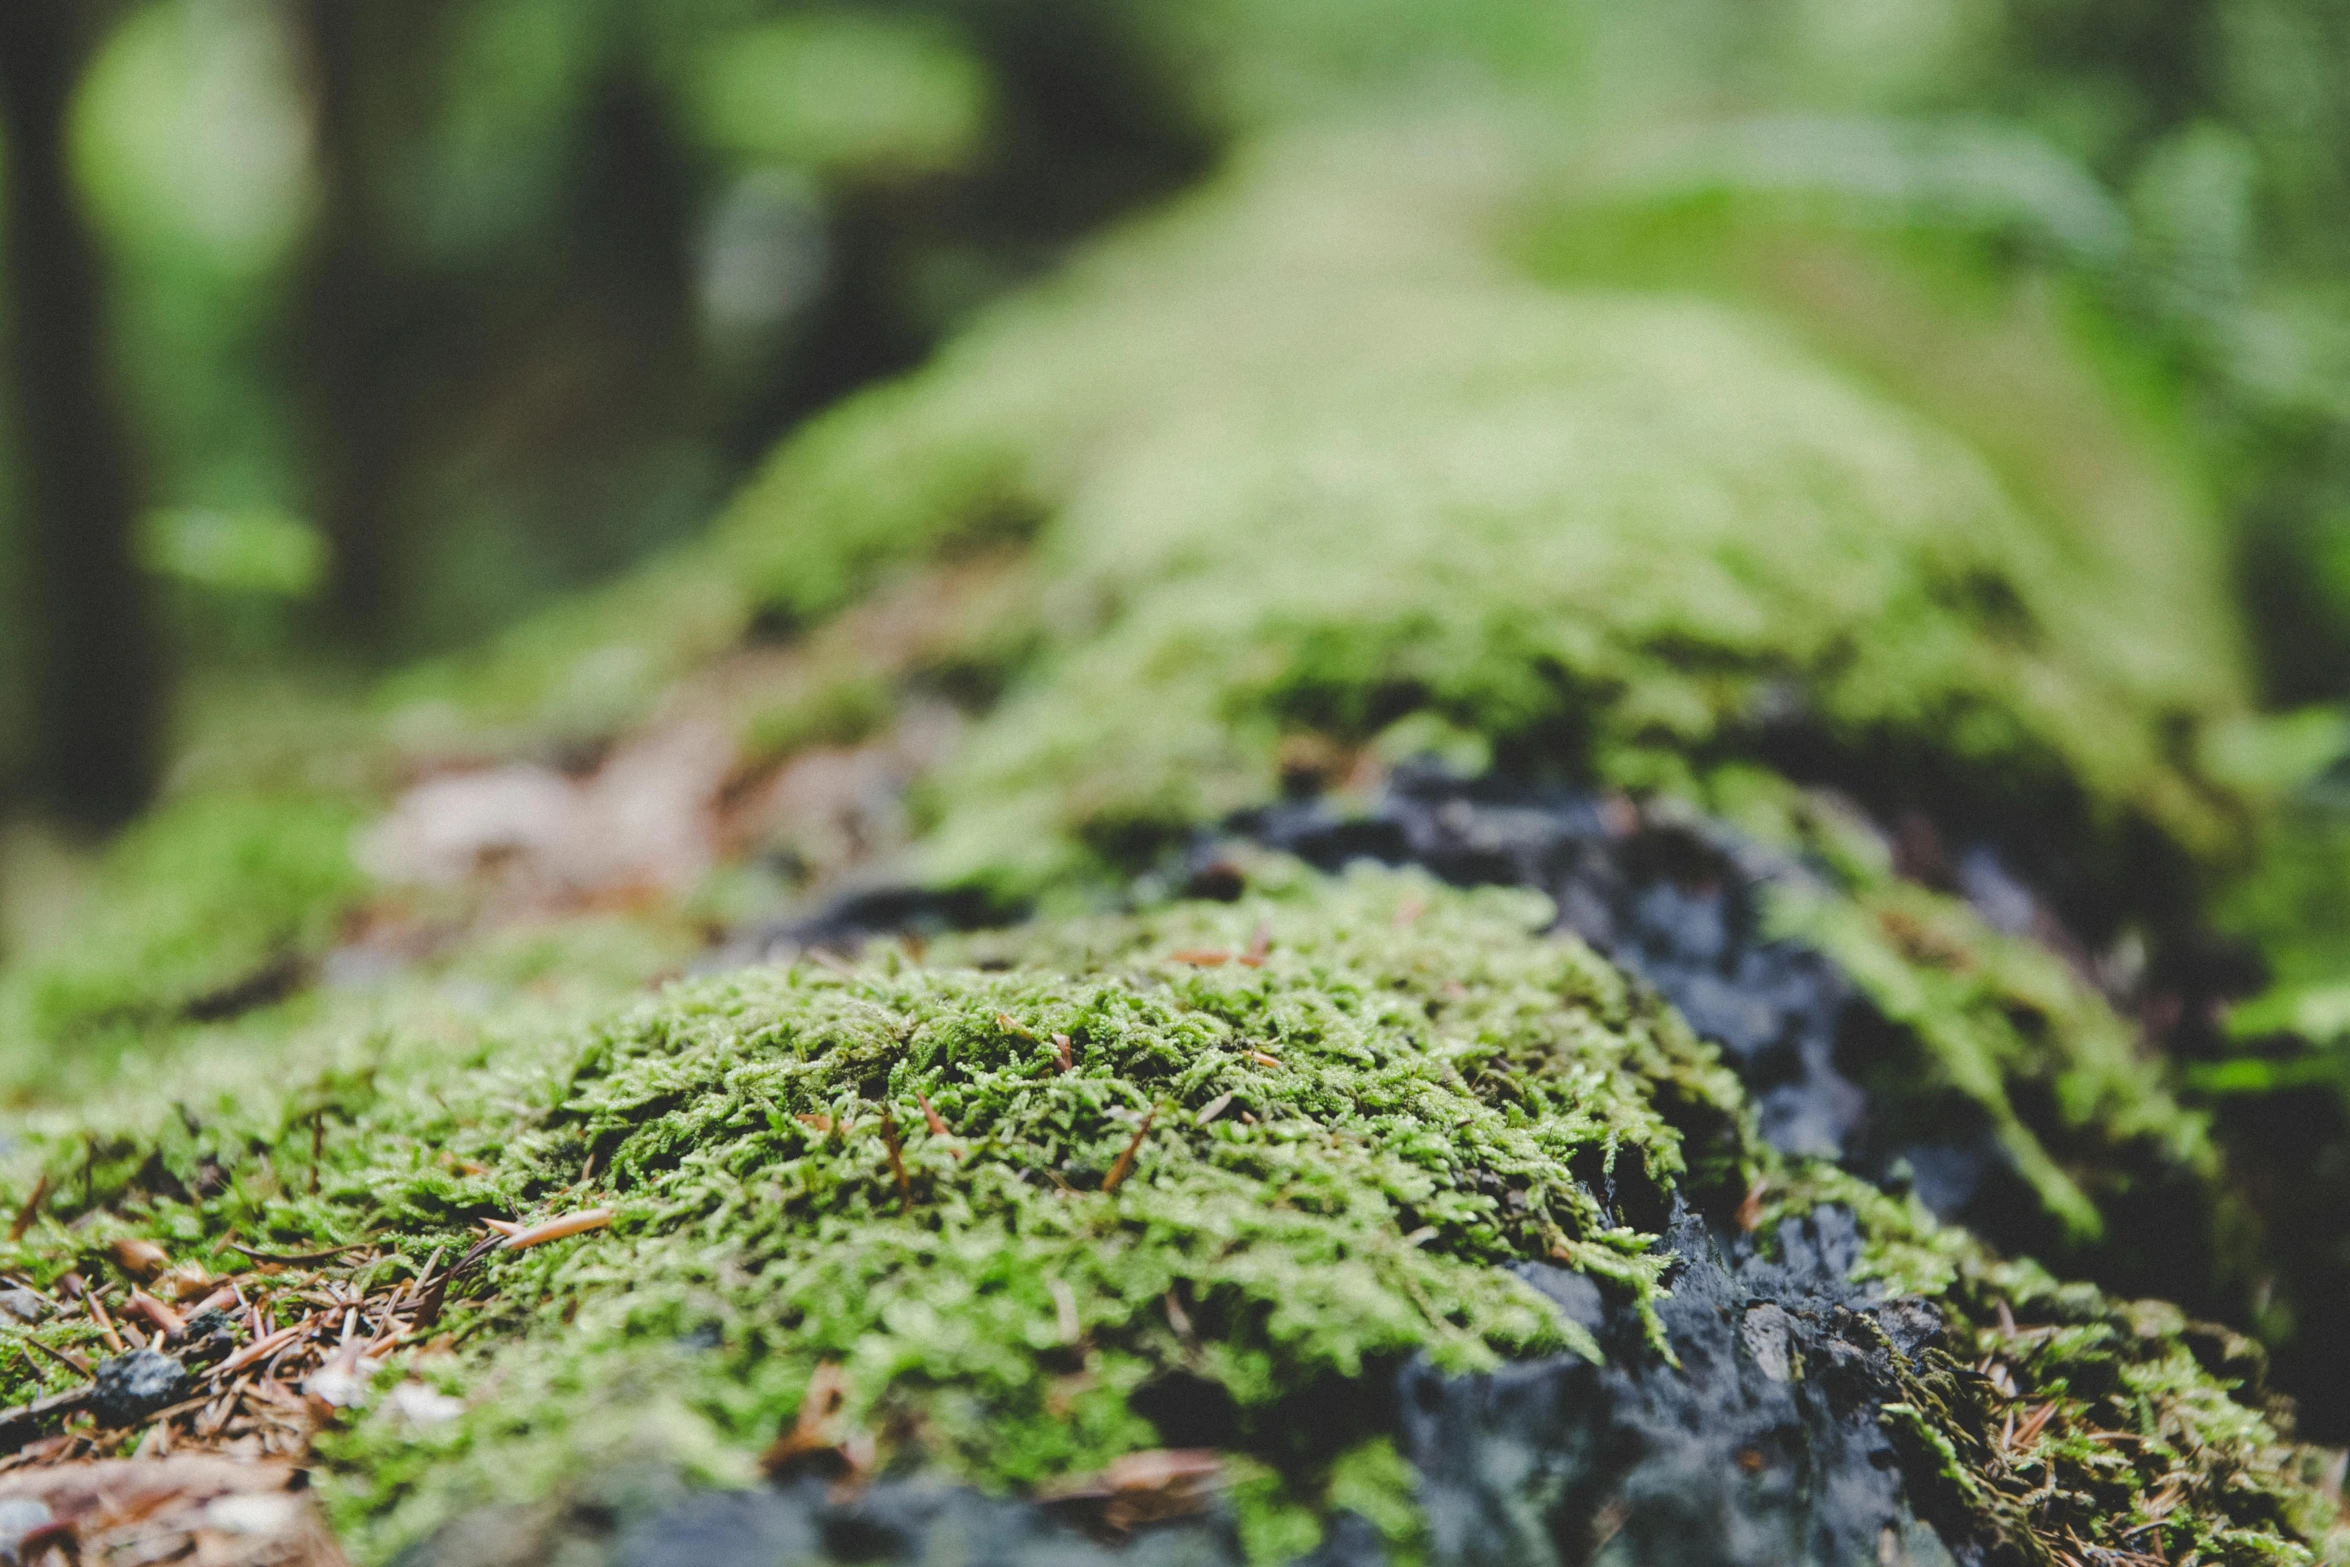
column 297, row 1259
column 558, row 1229
column 1126, row 1159
column 897, row 1160
column 31, row 1209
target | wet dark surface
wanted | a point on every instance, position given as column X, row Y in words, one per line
column 846, row 922
column 1761, row 1446
column 900, row 1522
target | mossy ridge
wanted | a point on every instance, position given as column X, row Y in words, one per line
column 993, row 484
column 1447, row 1096
column 2079, row 1110
column 2145, row 1437
column 1451, row 1093
column 1609, row 530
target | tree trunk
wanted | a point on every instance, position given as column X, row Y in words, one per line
column 96, row 673
column 347, row 341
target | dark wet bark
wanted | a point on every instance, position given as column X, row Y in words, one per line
column 95, row 666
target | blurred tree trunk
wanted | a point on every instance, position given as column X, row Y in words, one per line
column 348, row 330
column 96, row 674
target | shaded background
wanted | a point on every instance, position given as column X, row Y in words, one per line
column 339, row 333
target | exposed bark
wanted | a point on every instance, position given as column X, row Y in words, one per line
column 96, row 672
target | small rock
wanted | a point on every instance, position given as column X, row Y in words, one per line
column 131, row 1387
column 212, row 1335
column 1769, row 1335
column 22, row 1305
column 206, row 1323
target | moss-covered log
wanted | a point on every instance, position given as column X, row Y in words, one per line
column 1325, row 473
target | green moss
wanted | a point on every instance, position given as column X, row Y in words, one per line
column 2293, row 900
column 2057, row 1420
column 2002, row 1023
column 1305, row 465
column 1274, row 1524
column 1397, row 1113
column 1373, row 1481
column 839, row 712
column 1619, row 532
column 1419, row 1091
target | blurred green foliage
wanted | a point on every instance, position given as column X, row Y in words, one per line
column 234, row 552
column 498, row 295
column 843, row 96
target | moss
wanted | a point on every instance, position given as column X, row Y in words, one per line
column 2003, row 1023
column 1399, row 1113
column 2057, row 1421
column 839, row 712
column 2292, row 900
column 1373, row 1481
column 1623, row 533
column 1304, row 466
column 1420, row 1090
